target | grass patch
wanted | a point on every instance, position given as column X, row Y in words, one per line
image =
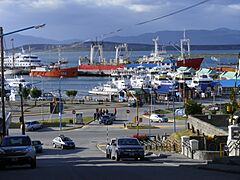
column 177, row 117
column 54, row 122
column 161, row 111
column 141, row 126
column 86, row 120
column 177, row 136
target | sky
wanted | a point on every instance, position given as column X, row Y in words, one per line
column 88, row 19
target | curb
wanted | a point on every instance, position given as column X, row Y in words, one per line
column 99, row 148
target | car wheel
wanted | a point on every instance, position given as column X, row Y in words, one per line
column 31, row 129
column 33, row 164
column 141, row 158
column 117, row 158
column 107, row 155
column 54, row 145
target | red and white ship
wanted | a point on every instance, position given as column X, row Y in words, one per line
column 185, row 58
column 55, row 70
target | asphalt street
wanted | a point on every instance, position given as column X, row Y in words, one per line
column 88, row 162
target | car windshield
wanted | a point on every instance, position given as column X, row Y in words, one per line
column 66, row 139
column 16, row 141
column 128, row 142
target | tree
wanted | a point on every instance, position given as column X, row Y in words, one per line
column 25, row 92
column 192, row 107
column 35, row 93
column 71, row 94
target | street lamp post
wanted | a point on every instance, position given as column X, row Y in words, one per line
column 2, row 85
column 137, row 118
column 149, row 129
column 42, row 98
column 60, row 104
column 2, row 70
column 22, row 112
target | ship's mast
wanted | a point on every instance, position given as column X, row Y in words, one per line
column 185, row 42
column 99, row 48
column 118, row 52
column 13, row 58
column 155, row 46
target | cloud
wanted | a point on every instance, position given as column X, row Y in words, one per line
column 235, row 7
column 85, row 19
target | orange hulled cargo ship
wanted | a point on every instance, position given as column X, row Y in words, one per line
column 55, row 70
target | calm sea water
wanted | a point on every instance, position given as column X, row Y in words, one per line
column 82, row 83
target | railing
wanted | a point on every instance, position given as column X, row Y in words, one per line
column 234, row 146
column 188, row 148
column 159, row 144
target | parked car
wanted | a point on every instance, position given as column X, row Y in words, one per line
column 38, row 146
column 32, row 125
column 46, row 97
column 109, row 148
column 106, row 120
column 158, row 118
column 63, row 142
column 17, row 150
column 126, row 148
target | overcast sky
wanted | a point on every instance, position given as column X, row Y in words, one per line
column 87, row 19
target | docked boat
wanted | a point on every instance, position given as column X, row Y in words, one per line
column 22, row 60
column 15, row 81
column 121, row 82
column 200, row 81
column 55, row 70
column 106, row 89
column 99, row 66
column 185, row 58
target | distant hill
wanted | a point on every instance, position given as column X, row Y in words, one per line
column 222, row 36
column 200, row 39
column 20, row 40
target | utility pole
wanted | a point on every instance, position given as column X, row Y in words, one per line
column 22, row 112
column 2, row 85
column 60, row 105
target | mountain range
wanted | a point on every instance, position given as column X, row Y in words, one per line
column 221, row 36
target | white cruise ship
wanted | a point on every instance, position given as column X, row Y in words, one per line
column 22, row 60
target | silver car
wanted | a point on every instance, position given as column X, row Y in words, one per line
column 33, row 125
column 63, row 142
column 17, row 150
column 127, row 148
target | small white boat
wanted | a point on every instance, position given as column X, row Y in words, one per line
column 14, row 82
column 140, row 81
column 200, row 80
column 107, row 89
column 121, row 82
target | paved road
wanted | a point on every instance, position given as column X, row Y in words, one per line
column 88, row 162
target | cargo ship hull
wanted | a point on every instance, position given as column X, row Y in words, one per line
column 55, row 72
column 190, row 62
column 97, row 70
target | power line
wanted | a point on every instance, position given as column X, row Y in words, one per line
column 157, row 18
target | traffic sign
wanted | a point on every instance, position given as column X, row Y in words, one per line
column 73, row 112
column 127, row 111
